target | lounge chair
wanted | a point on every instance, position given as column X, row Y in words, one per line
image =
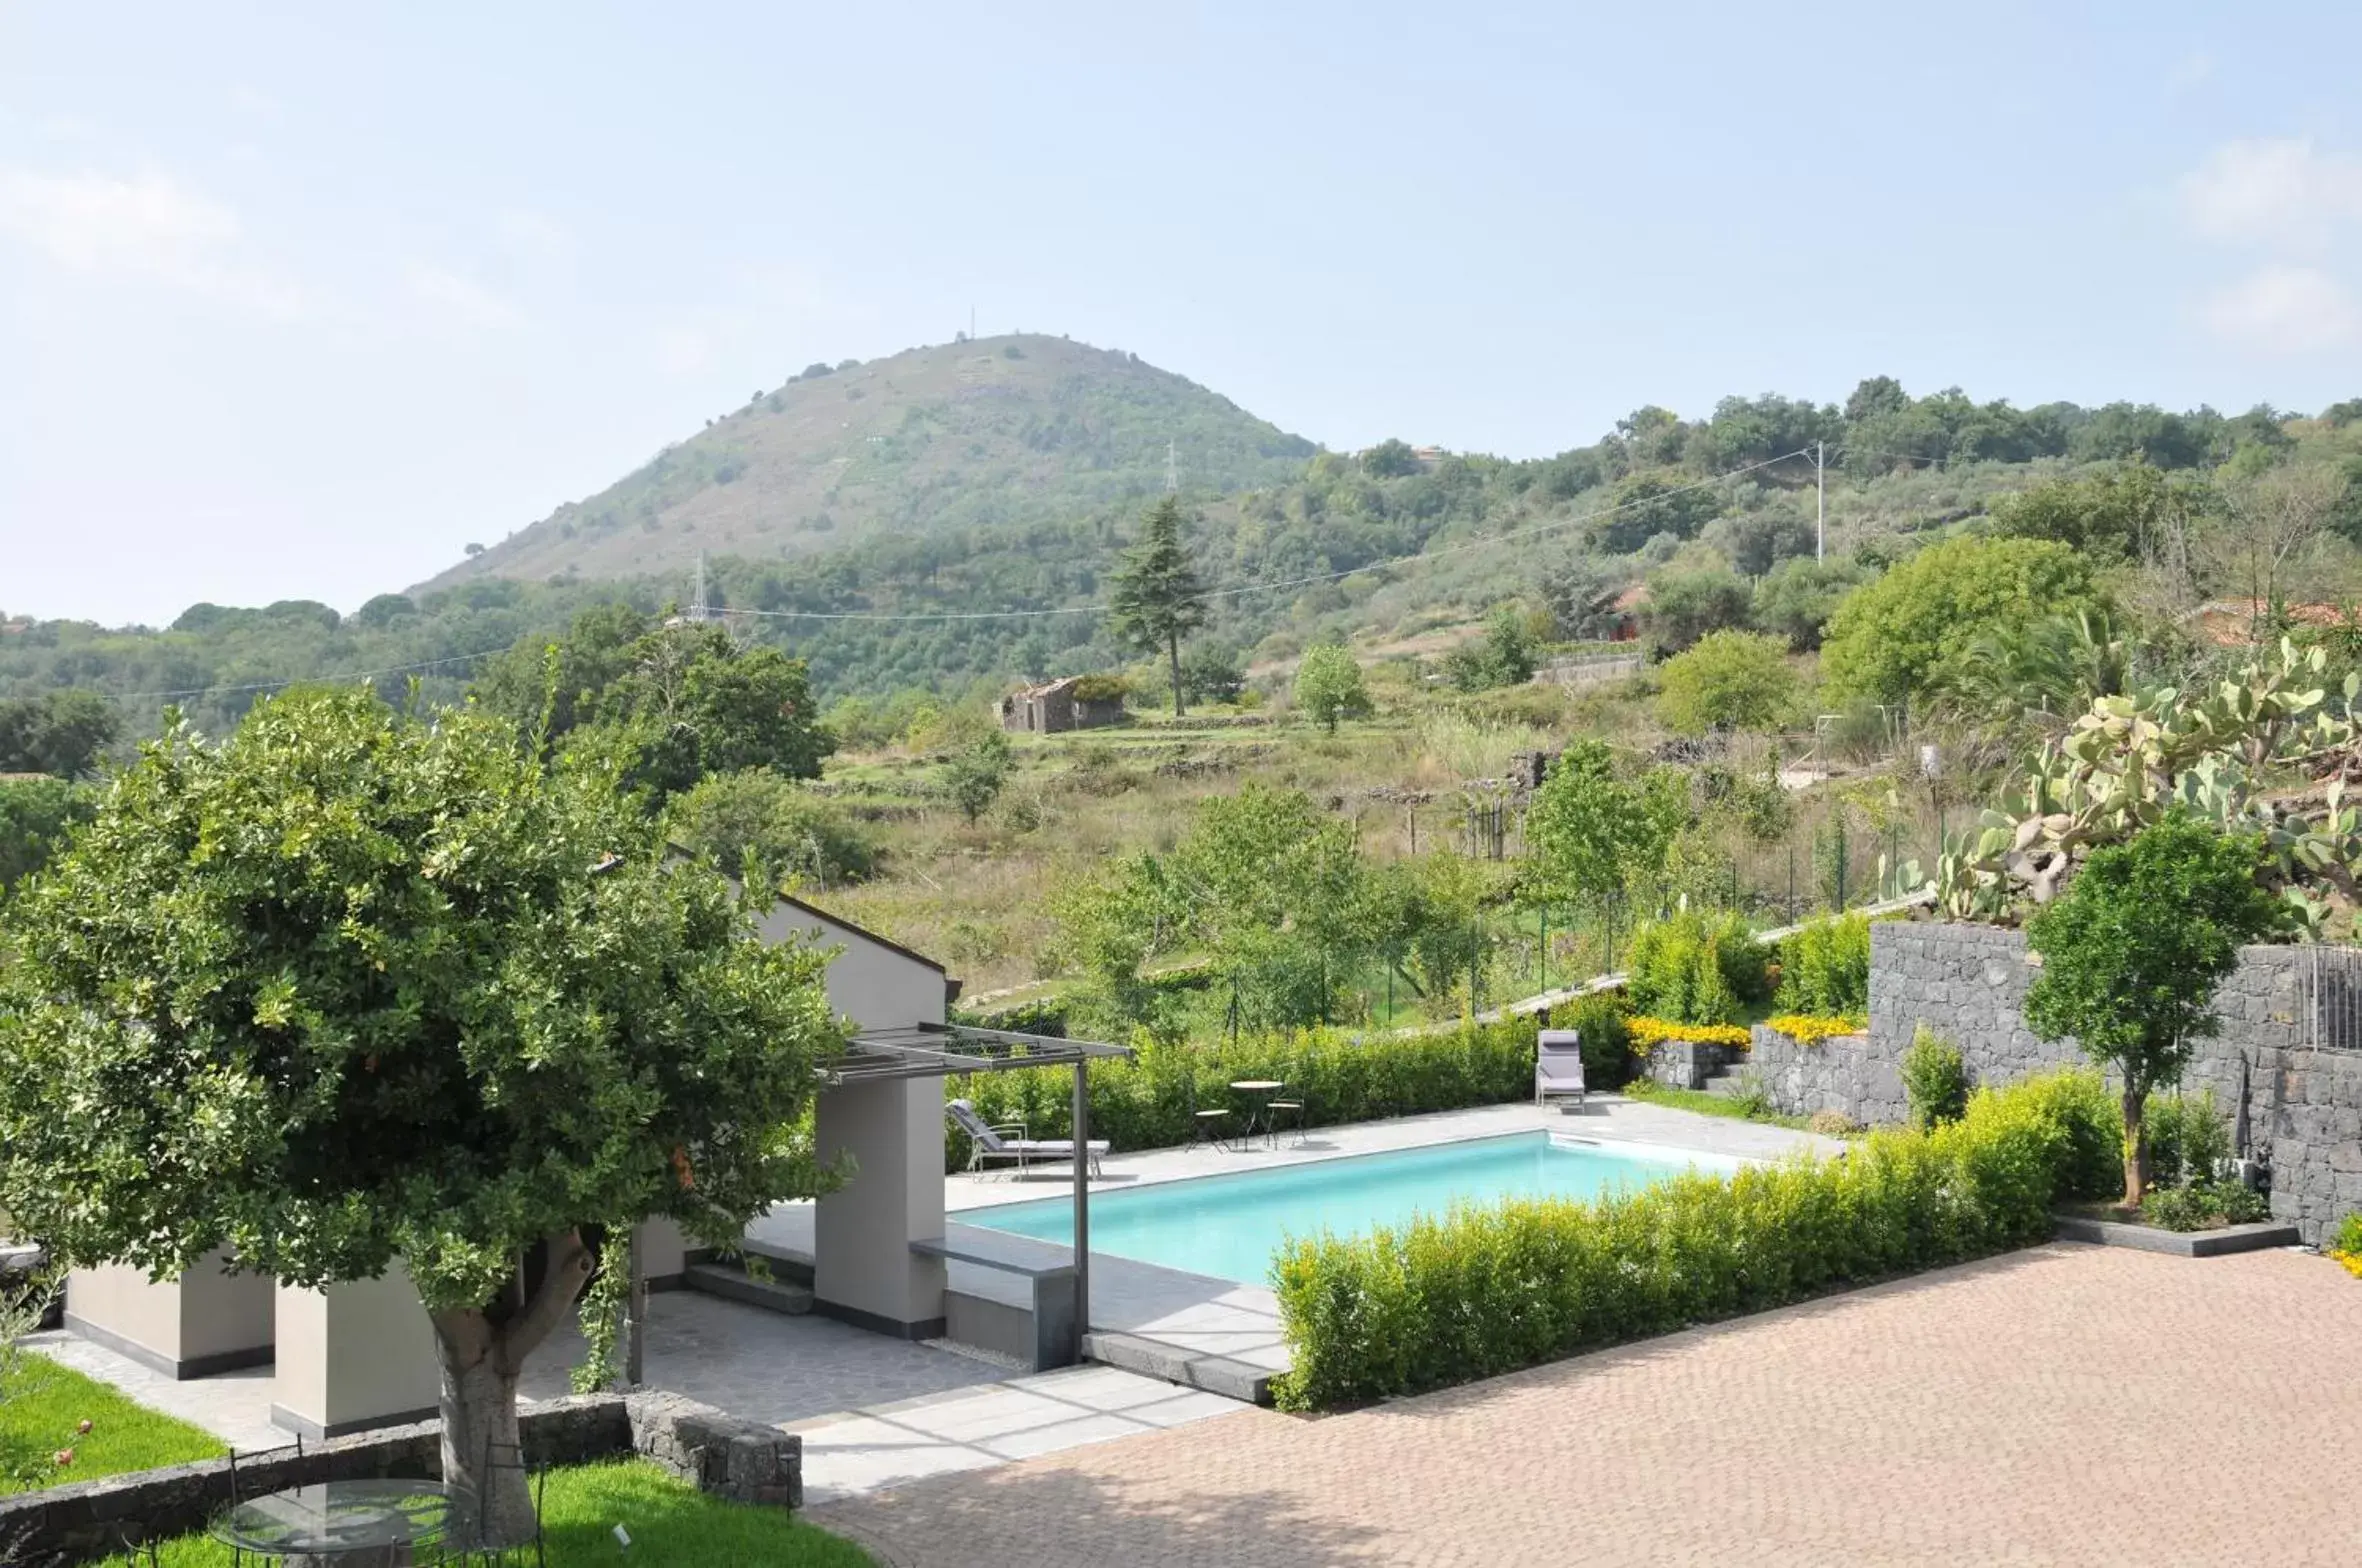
column 1007, row 1141
column 1558, row 1065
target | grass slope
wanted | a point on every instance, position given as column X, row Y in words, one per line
column 1000, row 431
column 45, row 1403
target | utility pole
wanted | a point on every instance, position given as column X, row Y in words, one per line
column 1820, row 505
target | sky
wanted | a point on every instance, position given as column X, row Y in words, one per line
column 297, row 301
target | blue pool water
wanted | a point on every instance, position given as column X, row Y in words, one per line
column 1230, row 1226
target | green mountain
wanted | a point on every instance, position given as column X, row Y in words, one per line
column 994, row 432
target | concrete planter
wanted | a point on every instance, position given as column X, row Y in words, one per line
column 2221, row 1242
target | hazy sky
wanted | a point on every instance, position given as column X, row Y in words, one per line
column 295, row 302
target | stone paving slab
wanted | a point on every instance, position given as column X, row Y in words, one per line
column 2067, row 1405
column 1048, row 1412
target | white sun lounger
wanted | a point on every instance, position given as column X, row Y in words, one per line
column 1007, row 1141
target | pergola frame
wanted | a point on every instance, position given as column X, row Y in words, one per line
column 928, row 1050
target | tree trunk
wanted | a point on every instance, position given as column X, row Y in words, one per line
column 480, row 1356
column 2136, row 1149
column 1173, row 646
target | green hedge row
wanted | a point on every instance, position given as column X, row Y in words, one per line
column 1149, row 1103
column 1482, row 1291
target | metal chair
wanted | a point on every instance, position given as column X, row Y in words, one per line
column 135, row 1553
column 239, row 1482
column 1206, row 1128
column 477, row 1543
column 1301, row 1109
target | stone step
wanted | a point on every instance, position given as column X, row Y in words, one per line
column 1214, row 1374
column 1726, row 1083
column 772, row 1295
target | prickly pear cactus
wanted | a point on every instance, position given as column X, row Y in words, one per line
column 2252, row 754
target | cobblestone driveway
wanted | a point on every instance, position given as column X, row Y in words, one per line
column 2067, row 1405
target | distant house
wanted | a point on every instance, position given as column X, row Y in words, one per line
column 1076, row 702
column 1615, row 616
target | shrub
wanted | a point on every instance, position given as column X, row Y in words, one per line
column 2081, row 1105
column 1729, row 680
column 1825, row 967
column 1483, row 1291
column 2202, row 1205
column 1833, row 1124
column 2345, row 1245
column 1150, row 1102
column 1607, row 1041
column 1696, row 968
column 2188, row 1143
column 1935, row 1079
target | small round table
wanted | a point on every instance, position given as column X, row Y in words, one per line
column 348, row 1524
column 1259, row 1113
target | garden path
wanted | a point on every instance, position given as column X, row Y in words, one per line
column 2063, row 1405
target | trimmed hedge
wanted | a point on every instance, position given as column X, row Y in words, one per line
column 1482, row 1291
column 1149, row 1103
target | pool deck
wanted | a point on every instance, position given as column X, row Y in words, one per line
column 876, row 1412
column 1197, row 1318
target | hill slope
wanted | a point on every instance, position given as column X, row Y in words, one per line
column 1007, row 430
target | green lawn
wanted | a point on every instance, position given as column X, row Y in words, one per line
column 42, row 1408
column 1708, row 1104
column 671, row 1525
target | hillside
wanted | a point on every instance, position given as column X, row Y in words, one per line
column 998, row 432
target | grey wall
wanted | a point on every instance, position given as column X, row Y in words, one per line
column 1968, row 983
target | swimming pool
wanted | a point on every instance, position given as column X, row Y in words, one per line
column 1229, row 1226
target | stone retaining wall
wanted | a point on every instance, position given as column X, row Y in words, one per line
column 1968, row 983
column 86, row 1521
column 1687, row 1064
column 1843, row 1073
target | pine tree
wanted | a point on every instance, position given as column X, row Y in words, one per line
column 1157, row 595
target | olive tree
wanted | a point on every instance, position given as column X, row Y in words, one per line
column 2132, row 952
column 361, row 986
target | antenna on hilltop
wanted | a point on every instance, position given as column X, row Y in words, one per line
column 698, row 610
column 1172, row 469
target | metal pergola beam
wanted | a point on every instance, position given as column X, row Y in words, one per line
column 940, row 1050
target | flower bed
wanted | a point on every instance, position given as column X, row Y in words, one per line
column 1482, row 1291
column 1648, row 1032
column 1812, row 1028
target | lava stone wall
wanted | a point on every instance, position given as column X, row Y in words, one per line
column 2303, row 1106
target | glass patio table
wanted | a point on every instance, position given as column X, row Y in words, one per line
column 350, row 1524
